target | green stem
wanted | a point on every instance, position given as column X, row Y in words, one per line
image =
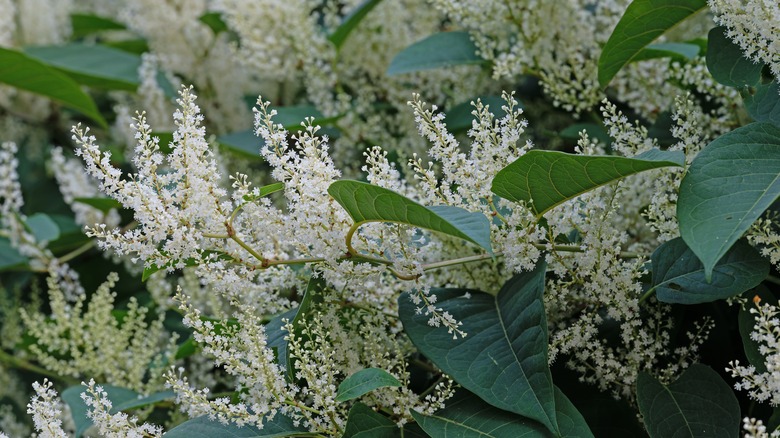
column 22, row 364
column 77, row 252
column 647, row 294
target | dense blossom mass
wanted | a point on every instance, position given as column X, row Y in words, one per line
column 262, row 292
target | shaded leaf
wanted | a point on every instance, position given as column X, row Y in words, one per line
column 549, row 178
column 363, row 382
column 594, row 131
column 264, row 191
column 275, row 335
column 43, row 227
column 244, row 143
column 214, row 21
column 87, row 24
column 503, row 358
column 364, row 422
column 203, row 427
column 26, row 73
column 726, row 62
column 570, row 420
column 727, row 187
column 9, row 256
column 678, row 275
column 445, row 49
column 763, row 102
column 311, row 298
column 677, row 51
column 698, row 404
column 149, row 270
column 643, row 22
column 93, row 65
column 143, row 401
column 351, row 21
column 369, row 203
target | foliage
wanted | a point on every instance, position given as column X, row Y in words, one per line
column 493, row 219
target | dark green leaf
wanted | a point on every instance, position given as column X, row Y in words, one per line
column 93, row 65
column 678, row 275
column 26, row 73
column 43, row 227
column 244, row 143
column 363, row 382
column 311, row 298
column 698, row 404
column 144, row 401
column 351, row 21
column 728, row 64
column 186, row 348
column 103, row 204
column 466, row 415
column 549, row 178
column 459, row 118
column 369, row 203
column 135, row 46
column 594, row 131
column 275, row 335
column 763, row 102
column 364, row 422
column 444, row 49
column 727, row 187
column 676, row 51
column 203, row 427
column 570, row 420
column 78, row 409
column 747, row 322
column 265, row 191
column 86, row 24
column 9, row 256
column 214, row 21
column 503, row 358
column 643, row 22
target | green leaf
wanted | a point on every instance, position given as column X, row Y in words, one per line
column 87, row 24
column 275, row 335
column 503, row 358
column 747, row 322
column 264, row 191
column 466, row 415
column 311, row 298
column 570, row 420
column 78, row 409
column 369, row 203
column 186, row 348
column 92, row 65
column 459, row 118
column 203, row 427
column 643, row 22
column 26, row 73
column 676, row 51
column 136, row 46
column 351, row 21
column 291, row 117
column 678, row 275
column 594, row 131
column 214, row 21
column 763, row 102
column 728, row 64
column 445, row 49
column 244, row 143
column 727, row 187
column 43, row 227
column 363, row 382
column 144, row 401
column 549, row 178
column 363, row 422
column 9, row 256
column 103, row 204
column 698, row 404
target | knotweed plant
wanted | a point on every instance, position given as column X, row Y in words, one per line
column 447, row 217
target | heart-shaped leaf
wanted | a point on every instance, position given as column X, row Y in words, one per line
column 369, row 203
column 363, row 382
column 698, row 404
column 727, row 187
column 678, row 275
column 444, row 49
column 503, row 358
column 549, row 178
column 728, row 64
column 643, row 22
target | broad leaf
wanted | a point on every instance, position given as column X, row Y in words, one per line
column 728, row 64
column 43, row 227
column 363, row 382
column 244, row 143
column 26, row 73
column 144, row 401
column 549, row 178
column 466, row 415
column 87, row 24
column 503, row 358
column 763, row 102
column 459, row 118
column 351, row 21
column 9, row 256
column 203, row 427
column 369, row 203
column 570, row 420
column 678, row 275
column 445, row 49
column 93, row 65
column 727, row 187
column 677, row 51
column 698, row 404
column 643, row 22
column 103, row 204
column 594, row 131
column 364, row 422
column 78, row 409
